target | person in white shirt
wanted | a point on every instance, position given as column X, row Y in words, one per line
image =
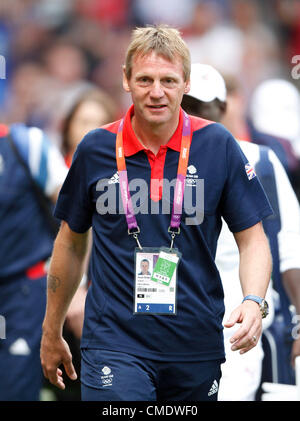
column 241, row 374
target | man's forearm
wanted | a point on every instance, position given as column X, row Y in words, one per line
column 65, row 272
column 255, row 270
column 255, row 273
column 255, row 261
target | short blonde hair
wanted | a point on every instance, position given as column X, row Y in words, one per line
column 161, row 39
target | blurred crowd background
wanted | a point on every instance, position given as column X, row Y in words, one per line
column 56, row 50
column 53, row 49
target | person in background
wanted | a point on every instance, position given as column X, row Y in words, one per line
column 242, row 123
column 241, row 373
column 274, row 109
column 28, row 160
column 278, row 130
column 92, row 108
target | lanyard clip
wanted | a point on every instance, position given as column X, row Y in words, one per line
column 135, row 235
column 173, row 231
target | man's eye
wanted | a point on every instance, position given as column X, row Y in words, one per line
column 169, row 82
column 144, row 80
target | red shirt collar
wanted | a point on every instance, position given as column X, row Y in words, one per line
column 131, row 143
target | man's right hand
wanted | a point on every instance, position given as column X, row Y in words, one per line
column 65, row 271
column 54, row 352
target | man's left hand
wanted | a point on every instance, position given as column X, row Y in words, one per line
column 248, row 334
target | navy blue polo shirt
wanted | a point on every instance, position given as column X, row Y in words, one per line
column 195, row 332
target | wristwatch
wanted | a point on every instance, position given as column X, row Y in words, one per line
column 263, row 305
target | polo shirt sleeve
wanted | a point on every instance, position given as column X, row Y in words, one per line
column 74, row 205
column 244, row 202
column 42, row 157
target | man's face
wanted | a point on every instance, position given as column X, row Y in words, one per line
column 156, row 86
column 144, row 267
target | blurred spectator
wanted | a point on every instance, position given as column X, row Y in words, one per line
column 111, row 64
column 207, row 99
column 5, row 50
column 236, row 121
column 86, row 39
column 52, row 14
column 29, row 163
column 113, row 13
column 275, row 110
column 280, row 330
column 23, row 100
column 93, row 109
column 232, row 42
column 212, row 40
column 171, row 12
column 65, row 63
column 260, row 59
column 288, row 20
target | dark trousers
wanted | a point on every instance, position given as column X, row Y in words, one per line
column 116, row 376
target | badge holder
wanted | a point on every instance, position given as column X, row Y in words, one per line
column 155, row 283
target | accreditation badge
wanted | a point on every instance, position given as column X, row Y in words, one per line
column 156, row 280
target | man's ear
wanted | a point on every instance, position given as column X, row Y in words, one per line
column 125, row 81
column 187, row 87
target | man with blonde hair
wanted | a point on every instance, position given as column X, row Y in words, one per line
column 157, row 337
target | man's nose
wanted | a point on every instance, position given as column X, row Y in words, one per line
column 157, row 90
